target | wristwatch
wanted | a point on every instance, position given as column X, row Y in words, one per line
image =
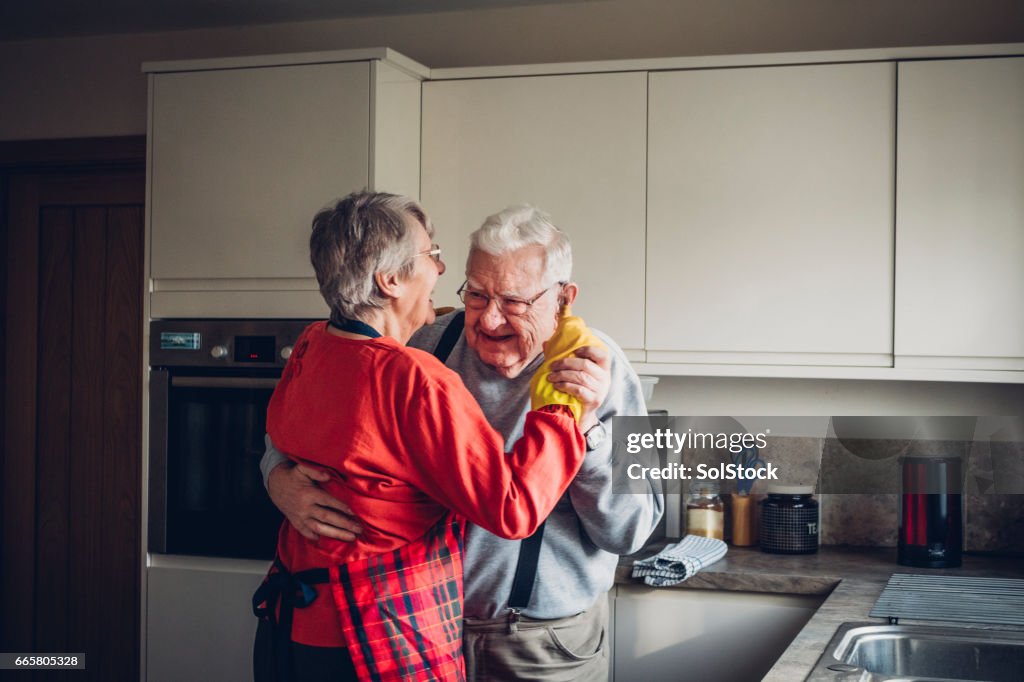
column 595, row 436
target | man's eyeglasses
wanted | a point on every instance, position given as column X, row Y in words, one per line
column 509, row 305
column 434, row 252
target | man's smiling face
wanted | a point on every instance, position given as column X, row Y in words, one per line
column 510, row 343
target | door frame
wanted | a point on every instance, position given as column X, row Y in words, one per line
column 30, row 170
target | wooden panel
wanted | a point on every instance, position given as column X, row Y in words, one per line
column 4, row 217
column 770, row 226
column 88, row 465
column 56, row 585
column 89, row 189
column 960, row 214
column 128, row 152
column 574, row 146
column 242, row 160
column 19, row 472
column 53, row 429
column 122, row 454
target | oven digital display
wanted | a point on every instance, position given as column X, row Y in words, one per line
column 180, row 341
column 254, row 348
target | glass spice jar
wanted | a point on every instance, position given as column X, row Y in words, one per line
column 705, row 513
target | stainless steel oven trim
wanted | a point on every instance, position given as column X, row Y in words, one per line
column 159, row 386
column 224, row 382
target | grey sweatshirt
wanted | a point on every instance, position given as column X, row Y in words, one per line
column 589, row 527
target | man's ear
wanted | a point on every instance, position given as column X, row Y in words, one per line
column 568, row 295
column 389, row 284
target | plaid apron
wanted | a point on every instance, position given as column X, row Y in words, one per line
column 401, row 611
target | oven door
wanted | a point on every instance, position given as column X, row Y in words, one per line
column 206, row 439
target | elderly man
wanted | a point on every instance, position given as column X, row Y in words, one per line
column 535, row 608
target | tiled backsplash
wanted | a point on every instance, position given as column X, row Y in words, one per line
column 869, row 470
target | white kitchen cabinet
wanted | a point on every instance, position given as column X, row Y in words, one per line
column 960, row 215
column 199, row 620
column 244, row 152
column 770, row 215
column 665, row 635
column 574, row 146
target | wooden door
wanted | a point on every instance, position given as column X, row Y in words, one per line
column 71, row 552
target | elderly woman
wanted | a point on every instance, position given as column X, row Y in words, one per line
column 407, row 448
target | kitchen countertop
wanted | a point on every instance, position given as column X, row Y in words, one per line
column 851, row 577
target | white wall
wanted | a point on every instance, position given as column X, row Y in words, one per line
column 782, row 397
column 80, row 87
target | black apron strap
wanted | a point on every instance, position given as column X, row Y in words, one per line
column 353, row 326
column 450, row 337
column 291, row 591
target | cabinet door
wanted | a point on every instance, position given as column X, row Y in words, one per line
column 960, row 214
column 770, row 219
column 242, row 159
column 199, row 623
column 571, row 145
column 664, row 635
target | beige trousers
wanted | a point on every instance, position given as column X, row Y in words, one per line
column 573, row 649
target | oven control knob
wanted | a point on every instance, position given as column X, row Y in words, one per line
column 219, row 351
column 286, row 352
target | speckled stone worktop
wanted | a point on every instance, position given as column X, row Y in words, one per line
column 851, row 577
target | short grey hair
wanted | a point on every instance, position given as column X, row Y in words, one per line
column 356, row 237
column 524, row 225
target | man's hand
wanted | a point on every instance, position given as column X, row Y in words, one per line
column 295, row 490
column 587, row 376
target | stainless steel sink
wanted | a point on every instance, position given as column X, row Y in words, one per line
column 869, row 652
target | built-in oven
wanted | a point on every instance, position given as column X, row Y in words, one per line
column 210, row 382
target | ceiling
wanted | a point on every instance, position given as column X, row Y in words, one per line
column 28, row 19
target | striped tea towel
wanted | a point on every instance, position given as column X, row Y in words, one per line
column 677, row 562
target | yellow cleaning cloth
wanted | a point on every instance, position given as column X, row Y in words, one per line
column 572, row 333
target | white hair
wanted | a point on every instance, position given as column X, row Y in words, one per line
column 524, row 225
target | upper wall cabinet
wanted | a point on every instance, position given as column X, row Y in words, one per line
column 571, row 145
column 770, row 215
column 242, row 155
column 960, row 215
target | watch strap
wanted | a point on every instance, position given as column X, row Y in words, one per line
column 592, row 429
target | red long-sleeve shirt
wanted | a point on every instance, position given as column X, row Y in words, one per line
column 406, row 442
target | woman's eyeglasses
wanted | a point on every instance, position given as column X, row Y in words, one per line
column 434, row 252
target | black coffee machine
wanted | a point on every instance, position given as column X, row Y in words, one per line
column 931, row 512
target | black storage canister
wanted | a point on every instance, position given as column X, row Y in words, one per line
column 789, row 520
